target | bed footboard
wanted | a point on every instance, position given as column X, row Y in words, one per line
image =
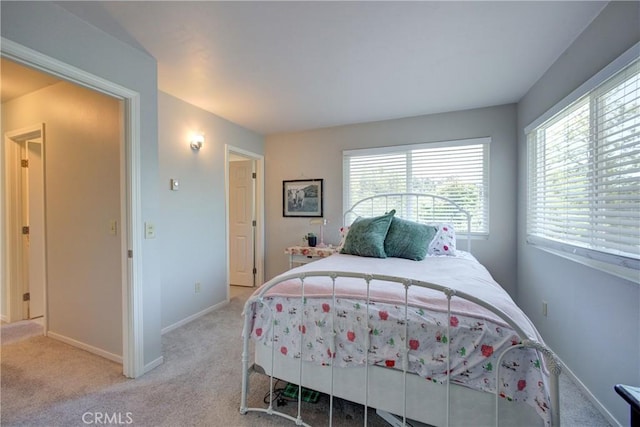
column 469, row 406
column 405, row 394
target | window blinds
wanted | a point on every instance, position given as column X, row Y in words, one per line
column 454, row 169
column 584, row 173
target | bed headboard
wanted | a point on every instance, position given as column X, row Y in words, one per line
column 418, row 207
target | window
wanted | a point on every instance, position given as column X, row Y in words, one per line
column 454, row 169
column 584, row 172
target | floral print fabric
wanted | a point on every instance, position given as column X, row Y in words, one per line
column 444, row 242
column 301, row 329
column 310, row 251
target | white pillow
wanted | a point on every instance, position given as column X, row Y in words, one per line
column 343, row 237
column 444, row 242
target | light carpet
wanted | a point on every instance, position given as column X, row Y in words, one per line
column 45, row 382
column 13, row 332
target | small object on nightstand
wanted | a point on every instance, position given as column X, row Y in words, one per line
column 311, row 239
column 321, row 222
column 632, row 396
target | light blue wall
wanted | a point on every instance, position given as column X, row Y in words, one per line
column 49, row 29
column 192, row 220
column 593, row 320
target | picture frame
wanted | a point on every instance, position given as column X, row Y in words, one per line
column 302, row 198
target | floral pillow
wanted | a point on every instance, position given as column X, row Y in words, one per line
column 343, row 237
column 444, row 242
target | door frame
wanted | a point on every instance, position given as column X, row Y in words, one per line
column 130, row 190
column 259, row 208
column 14, row 189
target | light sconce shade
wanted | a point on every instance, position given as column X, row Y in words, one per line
column 196, row 141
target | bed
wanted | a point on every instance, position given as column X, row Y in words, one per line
column 404, row 322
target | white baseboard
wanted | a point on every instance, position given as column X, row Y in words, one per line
column 91, row 349
column 194, row 317
column 599, row 406
column 149, row 366
column 4, row 318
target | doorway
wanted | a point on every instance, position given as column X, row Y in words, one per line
column 82, row 201
column 129, row 224
column 24, row 165
column 245, row 219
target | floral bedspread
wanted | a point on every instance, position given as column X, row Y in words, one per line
column 381, row 332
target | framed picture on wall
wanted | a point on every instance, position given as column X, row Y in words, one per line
column 302, row 198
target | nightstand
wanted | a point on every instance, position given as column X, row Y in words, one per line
column 632, row 397
column 299, row 255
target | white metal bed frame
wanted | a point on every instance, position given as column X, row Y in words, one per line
column 269, row 355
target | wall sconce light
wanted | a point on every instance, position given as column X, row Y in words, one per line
column 196, row 141
column 321, row 222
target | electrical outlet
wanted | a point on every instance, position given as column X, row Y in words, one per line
column 197, row 288
column 544, row 308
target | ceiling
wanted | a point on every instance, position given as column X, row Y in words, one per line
column 277, row 67
column 18, row 80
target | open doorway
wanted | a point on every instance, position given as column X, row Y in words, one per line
column 24, row 174
column 64, row 212
column 245, row 218
column 121, row 225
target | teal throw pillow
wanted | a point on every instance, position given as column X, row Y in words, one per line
column 408, row 239
column 366, row 236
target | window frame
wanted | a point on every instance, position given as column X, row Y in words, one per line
column 588, row 92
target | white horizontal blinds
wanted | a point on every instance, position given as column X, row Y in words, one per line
column 457, row 170
column 560, row 196
column 458, row 173
column 584, row 171
column 376, row 174
column 617, row 163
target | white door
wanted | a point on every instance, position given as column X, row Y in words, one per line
column 33, row 258
column 241, row 223
column 36, row 229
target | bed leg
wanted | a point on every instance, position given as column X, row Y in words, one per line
column 555, row 397
column 245, row 364
column 555, row 369
column 245, row 384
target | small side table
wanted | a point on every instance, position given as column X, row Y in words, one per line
column 632, row 397
column 299, row 255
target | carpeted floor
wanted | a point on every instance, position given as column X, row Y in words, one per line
column 19, row 331
column 48, row 383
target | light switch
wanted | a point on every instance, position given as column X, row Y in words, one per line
column 113, row 227
column 149, row 230
column 175, row 185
